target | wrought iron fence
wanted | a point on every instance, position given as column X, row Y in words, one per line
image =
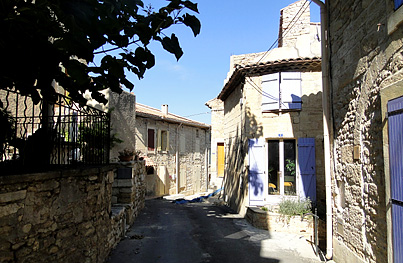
column 46, row 134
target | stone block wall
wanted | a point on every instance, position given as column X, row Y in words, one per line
column 280, row 223
column 63, row 216
column 129, row 192
column 217, row 136
column 366, row 60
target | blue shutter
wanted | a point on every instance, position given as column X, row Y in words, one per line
column 290, row 89
column 256, row 172
column 270, row 94
column 307, row 166
column 395, row 127
column 398, row 3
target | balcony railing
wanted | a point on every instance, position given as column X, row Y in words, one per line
column 51, row 134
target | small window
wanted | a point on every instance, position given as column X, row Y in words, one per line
column 151, row 139
column 398, row 3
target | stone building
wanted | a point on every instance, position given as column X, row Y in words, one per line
column 366, row 87
column 272, row 125
column 172, row 145
column 216, row 172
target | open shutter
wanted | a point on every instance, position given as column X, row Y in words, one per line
column 290, row 90
column 159, row 142
column 398, row 3
column 270, row 94
column 167, row 146
column 150, row 139
column 395, row 127
column 307, row 164
column 256, row 172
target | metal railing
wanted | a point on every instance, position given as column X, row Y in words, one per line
column 48, row 134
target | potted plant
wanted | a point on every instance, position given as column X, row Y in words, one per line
column 126, row 155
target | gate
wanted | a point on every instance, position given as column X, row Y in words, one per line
column 395, row 127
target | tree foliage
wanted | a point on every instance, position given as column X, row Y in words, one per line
column 56, row 40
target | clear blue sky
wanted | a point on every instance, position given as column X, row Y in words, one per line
column 229, row 27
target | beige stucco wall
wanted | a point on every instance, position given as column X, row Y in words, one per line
column 367, row 69
column 192, row 157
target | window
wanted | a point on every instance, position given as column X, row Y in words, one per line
column 163, row 140
column 398, row 3
column 151, row 139
column 281, row 91
column 281, row 162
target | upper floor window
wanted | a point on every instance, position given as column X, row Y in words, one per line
column 398, row 3
column 281, row 91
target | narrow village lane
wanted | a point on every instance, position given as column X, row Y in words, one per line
column 204, row 232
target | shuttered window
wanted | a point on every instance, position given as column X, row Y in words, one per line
column 281, row 91
column 163, row 140
column 151, row 139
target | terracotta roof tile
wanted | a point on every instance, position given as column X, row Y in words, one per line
column 292, row 64
column 150, row 112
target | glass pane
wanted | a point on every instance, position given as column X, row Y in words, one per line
column 274, row 167
column 289, row 168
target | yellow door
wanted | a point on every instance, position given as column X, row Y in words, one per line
column 220, row 159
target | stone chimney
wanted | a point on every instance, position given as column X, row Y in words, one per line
column 288, row 37
column 164, row 109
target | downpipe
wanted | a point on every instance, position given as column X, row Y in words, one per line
column 326, row 126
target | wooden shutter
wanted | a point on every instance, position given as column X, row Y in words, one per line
column 395, row 129
column 290, row 90
column 151, row 139
column 307, row 166
column 270, row 92
column 398, row 3
column 159, row 142
column 256, row 172
column 167, row 141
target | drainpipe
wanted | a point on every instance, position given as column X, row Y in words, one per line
column 206, row 158
column 177, row 158
column 326, row 126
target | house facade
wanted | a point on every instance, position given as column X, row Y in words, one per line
column 175, row 150
column 367, row 151
column 273, row 133
column 217, row 161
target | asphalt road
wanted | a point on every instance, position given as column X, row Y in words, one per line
column 204, row 232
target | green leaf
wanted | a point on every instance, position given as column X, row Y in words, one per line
column 192, row 22
column 172, row 46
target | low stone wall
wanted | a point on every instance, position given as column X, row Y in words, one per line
column 129, row 189
column 64, row 216
column 280, row 223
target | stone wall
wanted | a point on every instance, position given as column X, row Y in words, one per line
column 280, row 223
column 217, row 136
column 64, row 216
column 366, row 62
column 235, row 175
column 192, row 142
column 291, row 28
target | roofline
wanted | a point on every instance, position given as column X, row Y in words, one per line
column 180, row 120
column 300, row 64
